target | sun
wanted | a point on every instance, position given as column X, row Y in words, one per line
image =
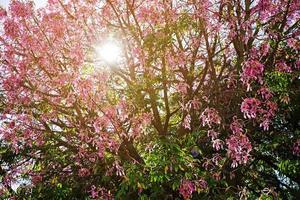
column 109, row 51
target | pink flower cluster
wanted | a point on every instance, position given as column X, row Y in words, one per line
column 55, row 24
column 20, row 9
column 187, row 187
column 296, row 148
column 93, row 192
column 236, row 126
column 3, row 13
column 187, row 122
column 265, row 9
column 12, row 83
column 11, row 28
column 238, row 144
column 239, row 148
column 150, row 13
column 194, row 104
column 216, row 158
column 216, row 142
column 265, row 49
column 201, row 184
column 183, row 88
column 265, row 93
column 84, row 172
column 268, row 114
column 252, row 71
column 283, row 67
column 264, row 111
column 293, row 43
column 250, row 107
column 209, row 117
column 36, row 179
column 213, row 134
column 100, row 193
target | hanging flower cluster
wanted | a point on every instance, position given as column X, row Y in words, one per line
column 238, row 144
column 239, row 148
column 187, row 187
column 209, row 117
column 252, row 71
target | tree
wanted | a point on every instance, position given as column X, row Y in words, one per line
column 202, row 103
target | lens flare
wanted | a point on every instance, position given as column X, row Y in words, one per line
column 109, row 51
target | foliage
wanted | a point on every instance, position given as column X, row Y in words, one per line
column 203, row 102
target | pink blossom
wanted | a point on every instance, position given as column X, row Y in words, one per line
column 213, row 134
column 187, row 122
column 265, row 124
column 119, row 169
column 104, row 193
column 268, row 114
column 83, row 172
column 3, row 13
column 55, row 24
column 293, row 43
column 236, row 127
column 150, row 12
column 100, row 123
column 265, row 49
column 177, row 60
column 209, row 117
column 296, row 148
column 250, row 107
column 207, row 163
column 77, row 55
column 272, row 108
column 217, row 144
column 201, row 184
column 283, row 67
column 254, row 53
column 216, row 158
column 265, row 9
column 183, row 88
column 298, row 64
column 265, row 93
column 195, row 104
column 101, row 149
column 217, row 176
column 252, row 71
column 146, row 118
column 186, row 189
column 36, row 179
column 239, row 148
column 20, row 9
column 94, row 192
column 11, row 28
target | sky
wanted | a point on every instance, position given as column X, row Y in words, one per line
column 38, row 3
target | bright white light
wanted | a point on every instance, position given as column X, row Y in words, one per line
column 110, row 52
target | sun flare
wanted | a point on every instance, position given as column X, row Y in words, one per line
column 109, row 51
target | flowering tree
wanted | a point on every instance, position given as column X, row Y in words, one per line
column 202, row 102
